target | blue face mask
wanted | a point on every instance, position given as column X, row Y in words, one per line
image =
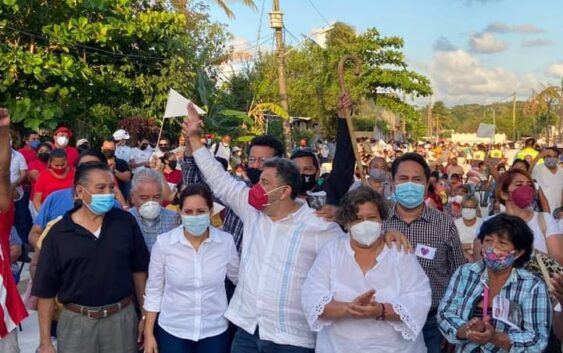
column 101, row 203
column 196, row 225
column 35, row 144
column 409, row 195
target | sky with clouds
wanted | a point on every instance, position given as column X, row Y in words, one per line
column 474, row 51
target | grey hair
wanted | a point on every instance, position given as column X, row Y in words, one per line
column 470, row 198
column 348, row 210
column 147, row 175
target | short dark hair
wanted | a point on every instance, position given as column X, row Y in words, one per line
column 521, row 161
column 83, row 171
column 287, row 173
column 268, row 141
column 305, row 152
column 530, row 142
column 29, row 133
column 109, row 139
column 197, row 189
column 410, row 156
column 57, row 153
column 553, row 148
column 513, row 229
column 348, row 210
column 45, row 144
column 94, row 153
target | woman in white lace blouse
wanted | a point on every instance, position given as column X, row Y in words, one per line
column 360, row 295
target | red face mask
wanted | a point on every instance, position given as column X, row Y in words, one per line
column 523, row 196
column 258, row 197
column 59, row 171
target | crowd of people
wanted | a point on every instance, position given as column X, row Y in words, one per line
column 194, row 245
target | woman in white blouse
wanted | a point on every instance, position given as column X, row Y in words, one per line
column 186, row 284
column 361, row 296
column 468, row 224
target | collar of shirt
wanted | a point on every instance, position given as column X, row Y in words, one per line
column 178, row 237
column 425, row 215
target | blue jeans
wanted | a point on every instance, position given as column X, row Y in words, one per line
column 432, row 336
column 247, row 343
column 168, row 343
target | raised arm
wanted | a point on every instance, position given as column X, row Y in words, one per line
column 233, row 192
column 342, row 173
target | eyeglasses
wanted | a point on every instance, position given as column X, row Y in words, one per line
column 253, row 160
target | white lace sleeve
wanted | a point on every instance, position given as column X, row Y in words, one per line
column 408, row 327
column 413, row 303
column 316, row 292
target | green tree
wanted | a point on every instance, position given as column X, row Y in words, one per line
column 312, row 79
column 92, row 62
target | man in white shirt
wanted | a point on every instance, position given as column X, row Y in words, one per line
column 18, row 171
column 549, row 176
column 140, row 156
column 282, row 237
column 122, row 151
column 222, row 148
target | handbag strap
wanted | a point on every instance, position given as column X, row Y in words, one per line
column 544, row 272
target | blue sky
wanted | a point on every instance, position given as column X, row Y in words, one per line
column 473, row 50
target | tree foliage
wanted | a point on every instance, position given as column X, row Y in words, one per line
column 92, row 62
column 312, row 79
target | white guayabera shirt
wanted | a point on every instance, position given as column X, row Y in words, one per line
column 397, row 278
column 276, row 257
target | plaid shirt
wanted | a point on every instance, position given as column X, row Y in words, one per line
column 232, row 223
column 436, row 230
column 522, row 288
column 165, row 222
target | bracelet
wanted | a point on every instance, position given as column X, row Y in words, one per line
column 382, row 316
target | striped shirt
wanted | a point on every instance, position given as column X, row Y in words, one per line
column 525, row 291
column 276, row 257
column 433, row 230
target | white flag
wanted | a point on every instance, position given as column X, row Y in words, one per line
column 486, row 131
column 177, row 105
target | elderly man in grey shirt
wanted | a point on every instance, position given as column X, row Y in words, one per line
column 146, row 196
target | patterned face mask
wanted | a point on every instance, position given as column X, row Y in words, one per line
column 497, row 260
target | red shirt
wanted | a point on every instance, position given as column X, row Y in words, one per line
column 47, row 183
column 71, row 155
column 29, row 154
column 174, row 177
column 38, row 166
column 12, row 310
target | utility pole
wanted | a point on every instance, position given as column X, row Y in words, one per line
column 561, row 112
column 514, row 116
column 276, row 23
column 429, row 121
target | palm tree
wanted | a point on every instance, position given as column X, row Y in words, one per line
column 182, row 5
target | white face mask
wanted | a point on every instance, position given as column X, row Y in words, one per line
column 468, row 213
column 366, row 232
column 62, row 141
column 456, row 199
column 150, row 210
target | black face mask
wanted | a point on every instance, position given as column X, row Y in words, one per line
column 308, row 182
column 109, row 153
column 144, row 146
column 163, row 149
column 253, row 175
column 172, row 164
column 43, row 156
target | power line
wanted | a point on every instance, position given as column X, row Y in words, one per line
column 318, row 12
column 82, row 46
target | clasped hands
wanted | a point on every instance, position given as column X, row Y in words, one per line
column 364, row 306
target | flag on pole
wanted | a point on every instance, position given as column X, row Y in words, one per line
column 486, row 131
column 177, row 105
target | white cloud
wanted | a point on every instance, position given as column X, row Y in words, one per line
column 459, row 77
column 500, row 27
column 443, row 44
column 540, row 42
column 556, row 70
column 486, row 43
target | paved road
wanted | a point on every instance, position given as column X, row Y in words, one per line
column 29, row 337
